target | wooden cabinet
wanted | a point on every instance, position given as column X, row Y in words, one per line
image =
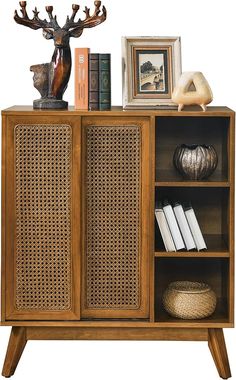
column 81, row 253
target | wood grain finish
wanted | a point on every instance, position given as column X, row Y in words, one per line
column 16, row 345
column 118, row 111
column 218, row 321
column 183, row 183
column 216, row 343
column 160, row 131
column 216, row 247
column 231, row 216
column 151, row 218
column 3, row 221
column 117, row 333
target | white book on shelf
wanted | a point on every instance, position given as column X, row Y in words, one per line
column 184, row 226
column 194, row 226
column 164, row 229
column 173, row 225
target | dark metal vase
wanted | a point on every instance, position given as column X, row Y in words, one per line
column 195, row 162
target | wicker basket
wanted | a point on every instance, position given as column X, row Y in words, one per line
column 189, row 300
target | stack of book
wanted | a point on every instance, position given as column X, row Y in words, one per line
column 92, row 80
column 179, row 227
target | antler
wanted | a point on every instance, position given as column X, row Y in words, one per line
column 88, row 22
column 35, row 23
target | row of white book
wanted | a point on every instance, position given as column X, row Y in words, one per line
column 179, row 227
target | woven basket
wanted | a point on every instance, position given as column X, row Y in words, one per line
column 189, row 300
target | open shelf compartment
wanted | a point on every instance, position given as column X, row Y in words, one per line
column 211, row 206
column 174, row 131
column 214, row 272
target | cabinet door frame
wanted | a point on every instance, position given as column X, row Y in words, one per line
column 143, row 311
column 9, row 310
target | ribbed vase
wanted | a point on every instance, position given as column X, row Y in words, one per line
column 195, row 162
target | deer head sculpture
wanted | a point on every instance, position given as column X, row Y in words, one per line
column 51, row 79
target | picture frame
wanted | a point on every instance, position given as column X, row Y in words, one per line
column 151, row 67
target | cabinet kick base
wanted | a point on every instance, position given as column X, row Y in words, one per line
column 20, row 335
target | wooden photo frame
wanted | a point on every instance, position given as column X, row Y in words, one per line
column 151, row 67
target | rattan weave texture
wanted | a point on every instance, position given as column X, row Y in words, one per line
column 189, row 300
column 113, row 206
column 43, row 169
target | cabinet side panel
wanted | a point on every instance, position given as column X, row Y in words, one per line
column 231, row 213
column 3, row 219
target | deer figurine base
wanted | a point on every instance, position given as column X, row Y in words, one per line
column 50, row 104
column 42, row 79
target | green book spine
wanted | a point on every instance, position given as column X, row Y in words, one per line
column 93, row 88
column 104, row 82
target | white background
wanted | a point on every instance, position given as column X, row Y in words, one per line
column 207, row 29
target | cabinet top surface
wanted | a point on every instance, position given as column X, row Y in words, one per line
column 118, row 111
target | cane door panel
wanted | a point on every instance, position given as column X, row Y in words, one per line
column 42, row 218
column 115, row 201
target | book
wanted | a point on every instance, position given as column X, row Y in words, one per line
column 173, row 225
column 194, row 227
column 93, row 78
column 164, row 229
column 81, row 78
column 184, row 226
column 104, row 82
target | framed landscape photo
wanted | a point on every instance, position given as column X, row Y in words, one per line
column 151, row 68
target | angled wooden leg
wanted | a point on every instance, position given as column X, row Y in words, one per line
column 216, row 343
column 16, row 345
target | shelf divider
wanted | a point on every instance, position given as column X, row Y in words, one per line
column 185, row 254
column 192, row 184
